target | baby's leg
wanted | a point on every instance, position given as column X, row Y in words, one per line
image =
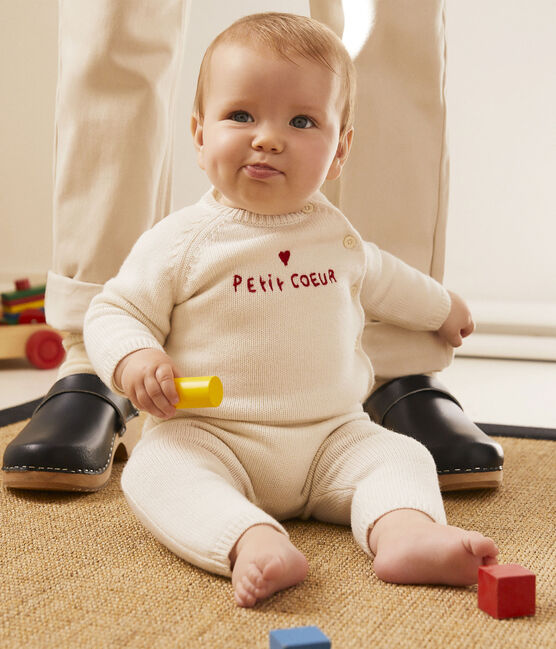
column 192, row 493
column 387, row 486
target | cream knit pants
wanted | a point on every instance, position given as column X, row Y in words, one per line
column 197, row 485
column 118, row 74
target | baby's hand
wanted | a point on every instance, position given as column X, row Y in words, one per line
column 147, row 378
column 458, row 324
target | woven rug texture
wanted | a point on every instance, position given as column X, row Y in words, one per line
column 79, row 571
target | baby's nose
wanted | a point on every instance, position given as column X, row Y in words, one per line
column 268, row 140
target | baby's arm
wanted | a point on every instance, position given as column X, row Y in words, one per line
column 394, row 292
column 146, row 376
column 459, row 322
column 134, row 310
column 397, row 293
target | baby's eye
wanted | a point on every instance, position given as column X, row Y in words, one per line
column 302, row 121
column 241, row 116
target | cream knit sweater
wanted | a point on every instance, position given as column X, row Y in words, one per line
column 273, row 305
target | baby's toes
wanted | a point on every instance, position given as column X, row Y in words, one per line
column 254, row 575
column 243, row 595
column 248, row 585
column 245, row 601
column 480, row 546
column 272, row 568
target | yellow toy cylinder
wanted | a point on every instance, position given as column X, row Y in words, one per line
column 199, row 391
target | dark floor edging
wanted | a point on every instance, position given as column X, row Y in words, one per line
column 25, row 410
column 525, row 432
column 18, row 413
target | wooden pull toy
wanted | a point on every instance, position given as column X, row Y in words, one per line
column 199, row 392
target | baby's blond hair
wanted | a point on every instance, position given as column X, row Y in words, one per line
column 288, row 36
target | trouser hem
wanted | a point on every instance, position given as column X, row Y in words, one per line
column 67, row 300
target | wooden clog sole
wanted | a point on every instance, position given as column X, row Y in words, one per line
column 470, row 480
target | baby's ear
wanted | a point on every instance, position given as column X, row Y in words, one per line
column 341, row 156
column 197, row 133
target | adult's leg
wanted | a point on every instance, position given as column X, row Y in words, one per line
column 394, row 188
column 118, row 72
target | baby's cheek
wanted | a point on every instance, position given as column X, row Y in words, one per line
column 231, row 144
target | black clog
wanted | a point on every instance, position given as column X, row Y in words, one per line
column 72, row 438
column 420, row 406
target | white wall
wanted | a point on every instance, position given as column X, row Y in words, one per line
column 501, row 106
column 501, row 99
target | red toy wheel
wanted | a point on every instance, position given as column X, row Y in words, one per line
column 31, row 316
column 44, row 349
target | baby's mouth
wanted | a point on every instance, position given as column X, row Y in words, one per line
column 260, row 171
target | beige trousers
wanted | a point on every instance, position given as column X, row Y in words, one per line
column 119, row 65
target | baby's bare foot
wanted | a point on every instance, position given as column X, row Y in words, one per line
column 410, row 548
column 264, row 561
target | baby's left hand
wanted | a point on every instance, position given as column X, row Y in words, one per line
column 459, row 322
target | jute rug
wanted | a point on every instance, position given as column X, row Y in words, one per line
column 78, row 571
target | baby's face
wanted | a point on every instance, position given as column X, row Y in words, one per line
column 270, row 133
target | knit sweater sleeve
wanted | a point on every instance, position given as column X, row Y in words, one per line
column 399, row 294
column 134, row 309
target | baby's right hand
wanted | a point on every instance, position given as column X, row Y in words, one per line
column 146, row 377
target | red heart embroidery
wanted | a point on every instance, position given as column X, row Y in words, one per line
column 284, row 256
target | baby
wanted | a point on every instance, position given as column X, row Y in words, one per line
column 266, row 284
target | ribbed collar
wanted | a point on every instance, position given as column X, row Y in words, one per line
column 262, row 220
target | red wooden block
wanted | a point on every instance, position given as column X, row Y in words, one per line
column 22, row 284
column 506, row 590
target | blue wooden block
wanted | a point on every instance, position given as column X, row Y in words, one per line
column 302, row 637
